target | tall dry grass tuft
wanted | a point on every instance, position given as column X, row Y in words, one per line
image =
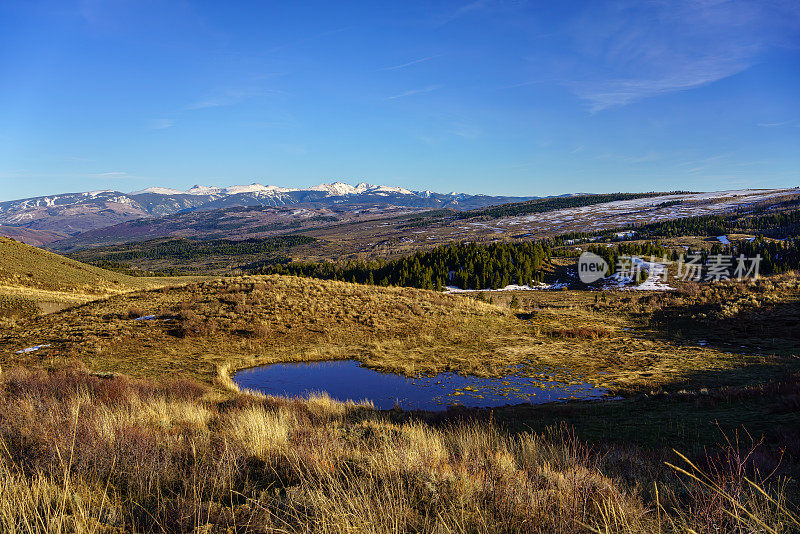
column 38, row 503
column 582, row 332
column 259, row 431
column 734, row 503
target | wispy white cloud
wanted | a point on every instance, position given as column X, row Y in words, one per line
column 292, row 149
column 223, row 98
column 648, row 157
column 524, row 84
column 703, row 164
column 412, row 92
column 703, row 160
column 524, row 165
column 111, row 173
column 410, row 63
column 232, row 96
column 465, row 9
column 779, row 124
column 308, row 39
column 629, row 51
column 604, row 94
column 160, row 124
column 467, row 131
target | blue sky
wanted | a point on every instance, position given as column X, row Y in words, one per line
column 496, row 97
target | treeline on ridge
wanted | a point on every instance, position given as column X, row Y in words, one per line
column 541, row 205
column 464, row 265
column 777, row 225
column 776, row 221
column 775, row 256
column 188, row 249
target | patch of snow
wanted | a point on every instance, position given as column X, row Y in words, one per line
column 255, row 188
column 511, row 287
column 390, row 189
column 653, row 284
column 120, row 200
column 31, row 349
column 145, row 318
column 338, row 189
column 656, row 272
column 159, row 191
column 204, row 190
column 724, row 240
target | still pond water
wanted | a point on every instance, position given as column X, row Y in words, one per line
column 347, row 380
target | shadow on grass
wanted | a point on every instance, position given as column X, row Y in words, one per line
column 764, row 329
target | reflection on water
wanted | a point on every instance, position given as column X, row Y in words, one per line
column 347, row 380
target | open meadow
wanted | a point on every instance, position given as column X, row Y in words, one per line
column 126, row 419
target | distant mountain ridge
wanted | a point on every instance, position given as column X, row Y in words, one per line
column 70, row 214
column 325, row 193
column 330, row 189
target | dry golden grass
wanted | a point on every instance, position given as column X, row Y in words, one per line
column 80, row 453
column 255, row 320
column 629, row 340
column 621, row 343
column 54, row 282
column 22, row 265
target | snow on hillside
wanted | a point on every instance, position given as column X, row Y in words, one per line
column 204, row 190
column 257, row 189
column 159, row 191
column 107, row 195
column 638, row 211
column 511, row 287
column 341, row 189
column 656, row 275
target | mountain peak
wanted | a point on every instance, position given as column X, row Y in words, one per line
column 336, row 188
column 159, row 191
column 202, row 190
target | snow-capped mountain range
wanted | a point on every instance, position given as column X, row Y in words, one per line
column 163, row 201
column 73, row 213
column 333, row 189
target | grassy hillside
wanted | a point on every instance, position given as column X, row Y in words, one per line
column 33, row 280
column 193, row 255
column 23, row 265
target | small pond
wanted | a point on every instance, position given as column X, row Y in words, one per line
column 347, row 380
